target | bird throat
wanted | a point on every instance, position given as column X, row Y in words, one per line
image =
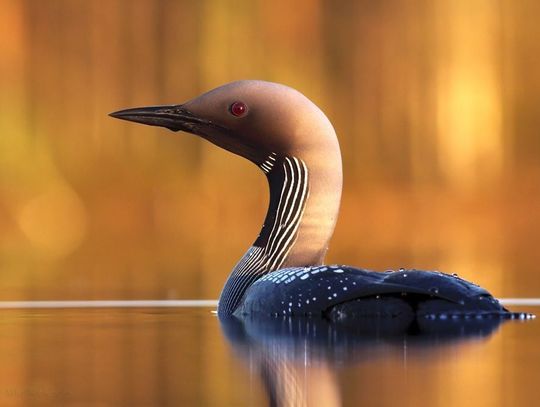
column 285, row 227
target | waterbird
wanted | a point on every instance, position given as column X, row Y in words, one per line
column 283, row 273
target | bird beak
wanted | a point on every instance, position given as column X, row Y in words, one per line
column 173, row 117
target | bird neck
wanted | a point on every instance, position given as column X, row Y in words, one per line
column 304, row 203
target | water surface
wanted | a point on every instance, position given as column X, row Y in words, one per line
column 181, row 356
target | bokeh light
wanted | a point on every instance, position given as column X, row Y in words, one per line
column 435, row 104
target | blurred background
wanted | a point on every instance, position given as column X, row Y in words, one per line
column 436, row 104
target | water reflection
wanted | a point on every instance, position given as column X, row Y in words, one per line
column 298, row 359
column 181, row 357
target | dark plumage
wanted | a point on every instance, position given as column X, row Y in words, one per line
column 342, row 292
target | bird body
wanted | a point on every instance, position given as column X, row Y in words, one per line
column 345, row 290
column 291, row 140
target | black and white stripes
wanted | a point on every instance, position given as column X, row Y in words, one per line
column 268, row 164
column 260, row 260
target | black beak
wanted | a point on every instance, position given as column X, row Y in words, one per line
column 174, row 117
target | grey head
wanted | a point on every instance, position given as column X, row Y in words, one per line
column 293, row 142
column 249, row 118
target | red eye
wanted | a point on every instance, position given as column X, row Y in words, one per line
column 238, row 109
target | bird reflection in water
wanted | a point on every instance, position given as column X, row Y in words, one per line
column 297, row 359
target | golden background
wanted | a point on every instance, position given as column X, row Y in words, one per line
column 436, row 104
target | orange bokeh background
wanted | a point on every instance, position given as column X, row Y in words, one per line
column 436, row 105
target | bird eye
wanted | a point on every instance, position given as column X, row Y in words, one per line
column 238, row 109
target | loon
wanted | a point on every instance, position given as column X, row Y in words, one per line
column 283, row 273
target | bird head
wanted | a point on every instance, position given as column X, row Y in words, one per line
column 249, row 118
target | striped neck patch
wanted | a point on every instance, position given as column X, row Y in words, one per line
column 258, row 261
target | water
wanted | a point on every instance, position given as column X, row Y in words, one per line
column 183, row 356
